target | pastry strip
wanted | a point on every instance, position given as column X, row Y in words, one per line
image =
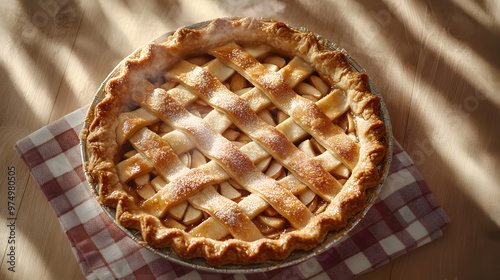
column 130, row 122
column 251, row 206
column 237, row 164
column 182, row 186
column 158, row 151
column 180, row 143
column 227, row 213
column 305, row 112
column 190, row 183
column 294, row 72
column 216, row 94
column 333, row 104
column 133, row 167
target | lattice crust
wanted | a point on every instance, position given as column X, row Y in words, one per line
column 237, row 152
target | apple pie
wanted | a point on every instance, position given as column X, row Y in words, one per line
column 238, row 142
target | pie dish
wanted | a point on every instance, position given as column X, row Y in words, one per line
column 238, row 142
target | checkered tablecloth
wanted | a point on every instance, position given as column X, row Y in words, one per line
column 404, row 217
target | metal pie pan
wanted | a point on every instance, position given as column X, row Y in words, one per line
column 297, row 256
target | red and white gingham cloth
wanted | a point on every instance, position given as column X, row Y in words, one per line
column 404, row 217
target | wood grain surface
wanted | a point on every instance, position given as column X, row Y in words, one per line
column 436, row 63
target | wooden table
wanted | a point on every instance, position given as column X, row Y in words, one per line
column 436, row 63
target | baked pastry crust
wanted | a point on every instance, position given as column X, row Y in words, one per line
column 116, row 121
